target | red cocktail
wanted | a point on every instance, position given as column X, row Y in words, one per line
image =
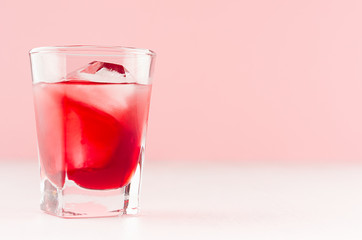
column 91, row 128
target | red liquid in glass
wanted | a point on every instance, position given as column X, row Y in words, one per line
column 90, row 132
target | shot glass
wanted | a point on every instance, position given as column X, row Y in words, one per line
column 91, row 110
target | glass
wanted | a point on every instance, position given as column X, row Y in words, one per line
column 91, row 109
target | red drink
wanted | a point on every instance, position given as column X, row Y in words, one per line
column 90, row 132
column 91, row 107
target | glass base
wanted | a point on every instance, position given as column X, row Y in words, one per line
column 73, row 201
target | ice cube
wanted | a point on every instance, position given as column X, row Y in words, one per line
column 113, row 99
column 97, row 71
column 95, row 66
column 92, row 135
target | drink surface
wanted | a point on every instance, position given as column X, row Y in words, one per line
column 91, row 133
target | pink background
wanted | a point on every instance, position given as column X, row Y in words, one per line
column 235, row 80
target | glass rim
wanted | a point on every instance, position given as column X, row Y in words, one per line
column 93, row 50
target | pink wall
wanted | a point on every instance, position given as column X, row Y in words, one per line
column 235, row 80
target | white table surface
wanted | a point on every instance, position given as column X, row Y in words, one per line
column 188, row 200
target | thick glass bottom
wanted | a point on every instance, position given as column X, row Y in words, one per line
column 73, row 201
